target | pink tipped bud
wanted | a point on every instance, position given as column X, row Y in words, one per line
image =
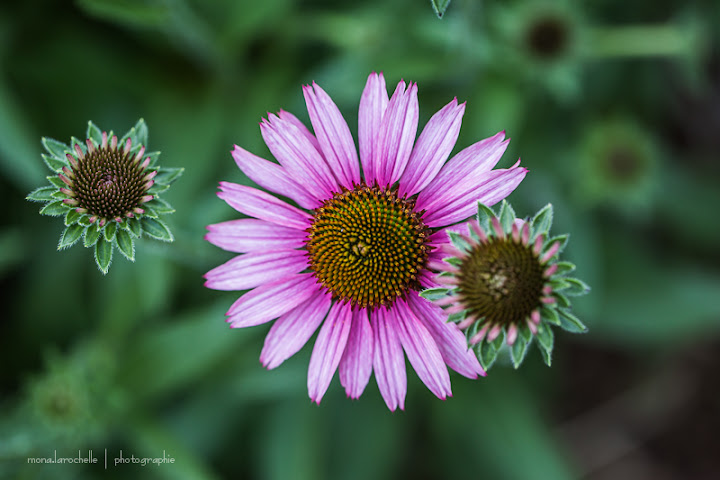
column 67, row 192
column 146, row 198
column 512, row 333
column 445, row 301
column 73, row 161
column 80, row 153
column 81, row 210
column 92, row 219
column 497, row 227
column 70, row 201
column 455, row 309
column 535, row 317
column 550, row 271
column 551, row 252
column 129, row 215
column 547, row 300
column 113, row 142
column 138, row 210
column 478, row 231
column 128, row 145
column 66, row 180
column 447, row 280
column 149, row 184
column 441, row 266
column 145, row 163
column 467, row 322
column 118, row 219
column 104, row 140
column 139, row 154
column 101, row 222
column 450, row 249
column 90, row 145
column 547, row 290
column 494, row 332
column 68, row 172
column 537, row 248
column 151, row 175
column 515, row 233
column 525, row 233
column 478, row 337
column 533, row 328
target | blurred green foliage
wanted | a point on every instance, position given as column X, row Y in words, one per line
column 614, row 108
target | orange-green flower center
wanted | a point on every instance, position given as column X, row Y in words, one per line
column 367, row 246
column 501, row 281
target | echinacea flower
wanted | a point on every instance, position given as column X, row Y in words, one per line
column 353, row 254
column 107, row 190
column 507, row 284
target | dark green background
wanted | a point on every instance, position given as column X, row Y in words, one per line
column 614, row 107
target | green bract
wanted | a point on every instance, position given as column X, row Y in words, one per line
column 107, row 190
column 506, row 285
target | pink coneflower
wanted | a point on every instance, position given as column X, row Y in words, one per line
column 353, row 254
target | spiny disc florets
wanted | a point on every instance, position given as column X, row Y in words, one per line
column 108, row 182
column 367, row 245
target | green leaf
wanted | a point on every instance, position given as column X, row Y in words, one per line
column 546, row 354
column 571, row 323
column 55, row 180
column 562, row 300
column 125, row 244
column 545, row 336
column 72, row 217
column 542, row 220
column 433, row 294
column 484, row 215
column 497, row 343
column 507, row 216
column 110, row 230
column 487, row 354
column 156, row 229
column 54, row 209
column 562, row 239
column 168, row 175
column 524, row 332
column 153, row 158
column 160, row 206
column 149, row 211
column 54, row 164
column 440, row 6
column 92, row 233
column 518, row 351
column 42, row 194
column 550, row 315
column 158, row 188
column 576, row 287
column 564, row 267
column 94, row 133
column 103, row 254
column 134, row 227
column 457, row 240
column 84, row 220
column 138, row 134
column 70, row 235
column 55, row 148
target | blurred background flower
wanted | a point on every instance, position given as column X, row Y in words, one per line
column 619, row 132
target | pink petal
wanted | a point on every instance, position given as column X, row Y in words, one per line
column 449, row 339
column 249, row 235
column 356, row 363
column 255, row 203
column 291, row 147
column 422, row 351
column 293, row 329
column 328, row 350
column 460, row 202
column 432, row 148
column 289, row 117
column 271, row 300
column 470, row 162
column 252, row 269
column 373, row 103
column 396, row 135
column 334, row 136
column 388, row 359
column 273, row 177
